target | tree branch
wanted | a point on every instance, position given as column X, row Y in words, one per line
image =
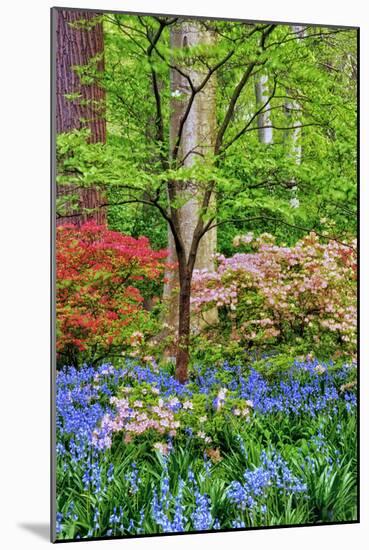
column 194, row 91
column 305, row 37
column 288, row 127
column 255, row 115
column 159, row 116
column 231, row 107
column 236, row 94
column 276, row 220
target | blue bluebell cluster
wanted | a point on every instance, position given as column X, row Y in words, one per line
column 242, row 447
column 69, row 515
column 162, row 504
column 92, row 477
column 308, row 387
column 118, row 523
column 238, row 524
column 59, row 522
column 133, row 479
column 83, row 395
column 110, row 473
column 83, row 398
column 165, row 382
column 162, row 508
column 350, row 401
column 272, row 474
column 168, row 510
column 202, row 519
column 115, row 517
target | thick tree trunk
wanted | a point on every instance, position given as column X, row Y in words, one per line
column 197, row 142
column 263, row 119
column 79, row 38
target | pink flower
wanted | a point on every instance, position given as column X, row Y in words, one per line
column 162, row 448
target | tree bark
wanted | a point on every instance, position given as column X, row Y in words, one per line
column 79, row 38
column 197, row 143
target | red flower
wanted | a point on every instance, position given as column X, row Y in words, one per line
column 96, row 270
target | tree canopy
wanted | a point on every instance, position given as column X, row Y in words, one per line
column 252, row 179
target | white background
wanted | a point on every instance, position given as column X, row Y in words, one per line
column 24, row 271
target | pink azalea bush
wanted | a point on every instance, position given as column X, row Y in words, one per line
column 132, row 419
column 143, row 410
column 276, row 293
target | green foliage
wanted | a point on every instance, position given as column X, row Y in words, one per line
column 254, row 181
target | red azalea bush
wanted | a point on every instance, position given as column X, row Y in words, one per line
column 98, row 303
column 303, row 294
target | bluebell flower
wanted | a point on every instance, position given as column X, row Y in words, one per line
column 59, row 520
column 273, row 473
column 133, row 478
column 238, row 524
column 201, row 517
column 110, row 473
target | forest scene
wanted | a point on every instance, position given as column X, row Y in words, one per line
column 206, row 274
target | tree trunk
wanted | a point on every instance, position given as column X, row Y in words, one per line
column 79, row 38
column 263, row 119
column 183, row 349
column 197, row 143
column 291, row 107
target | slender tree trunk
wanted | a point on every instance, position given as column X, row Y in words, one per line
column 291, row 108
column 264, row 118
column 183, row 357
column 79, row 38
column 293, row 137
column 197, row 143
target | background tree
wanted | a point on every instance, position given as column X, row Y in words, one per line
column 293, row 108
column 80, row 103
column 262, row 101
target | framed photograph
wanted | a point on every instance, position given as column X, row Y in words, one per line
column 204, row 280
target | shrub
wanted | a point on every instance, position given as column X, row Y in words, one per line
column 99, row 304
column 302, row 295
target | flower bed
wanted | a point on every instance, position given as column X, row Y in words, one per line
column 140, row 453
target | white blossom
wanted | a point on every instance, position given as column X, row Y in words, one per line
column 295, row 203
column 248, row 238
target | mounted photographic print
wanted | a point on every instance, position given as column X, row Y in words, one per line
column 204, row 227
